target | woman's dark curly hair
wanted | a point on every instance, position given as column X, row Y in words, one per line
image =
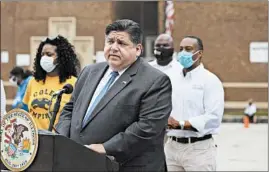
column 67, row 63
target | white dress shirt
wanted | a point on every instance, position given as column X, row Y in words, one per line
column 198, row 98
column 250, row 110
column 171, row 70
column 103, row 82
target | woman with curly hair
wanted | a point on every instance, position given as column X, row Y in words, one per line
column 55, row 65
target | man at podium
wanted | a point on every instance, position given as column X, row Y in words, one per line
column 121, row 107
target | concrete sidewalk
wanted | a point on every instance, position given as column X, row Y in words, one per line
column 239, row 119
column 242, row 149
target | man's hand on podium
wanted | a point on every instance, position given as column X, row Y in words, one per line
column 97, row 148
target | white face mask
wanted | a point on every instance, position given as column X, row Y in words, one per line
column 13, row 81
column 46, row 63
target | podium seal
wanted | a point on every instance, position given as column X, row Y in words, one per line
column 19, row 140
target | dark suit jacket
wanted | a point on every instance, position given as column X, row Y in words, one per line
column 130, row 120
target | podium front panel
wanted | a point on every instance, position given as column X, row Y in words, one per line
column 71, row 156
column 44, row 157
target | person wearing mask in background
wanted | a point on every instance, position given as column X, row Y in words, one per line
column 250, row 111
column 3, row 100
column 197, row 113
column 55, row 65
column 19, row 77
column 163, row 52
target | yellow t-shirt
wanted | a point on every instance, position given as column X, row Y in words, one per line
column 38, row 96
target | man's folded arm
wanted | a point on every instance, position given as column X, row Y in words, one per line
column 214, row 107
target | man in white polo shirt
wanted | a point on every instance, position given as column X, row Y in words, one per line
column 197, row 112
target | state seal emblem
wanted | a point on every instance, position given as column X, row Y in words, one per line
column 19, row 140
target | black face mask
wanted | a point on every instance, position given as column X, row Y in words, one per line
column 164, row 55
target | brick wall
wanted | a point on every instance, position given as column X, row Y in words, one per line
column 226, row 28
column 21, row 20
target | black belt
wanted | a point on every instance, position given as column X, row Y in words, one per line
column 191, row 139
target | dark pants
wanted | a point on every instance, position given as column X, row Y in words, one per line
column 250, row 118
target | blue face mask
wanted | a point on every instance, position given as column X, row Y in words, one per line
column 185, row 58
